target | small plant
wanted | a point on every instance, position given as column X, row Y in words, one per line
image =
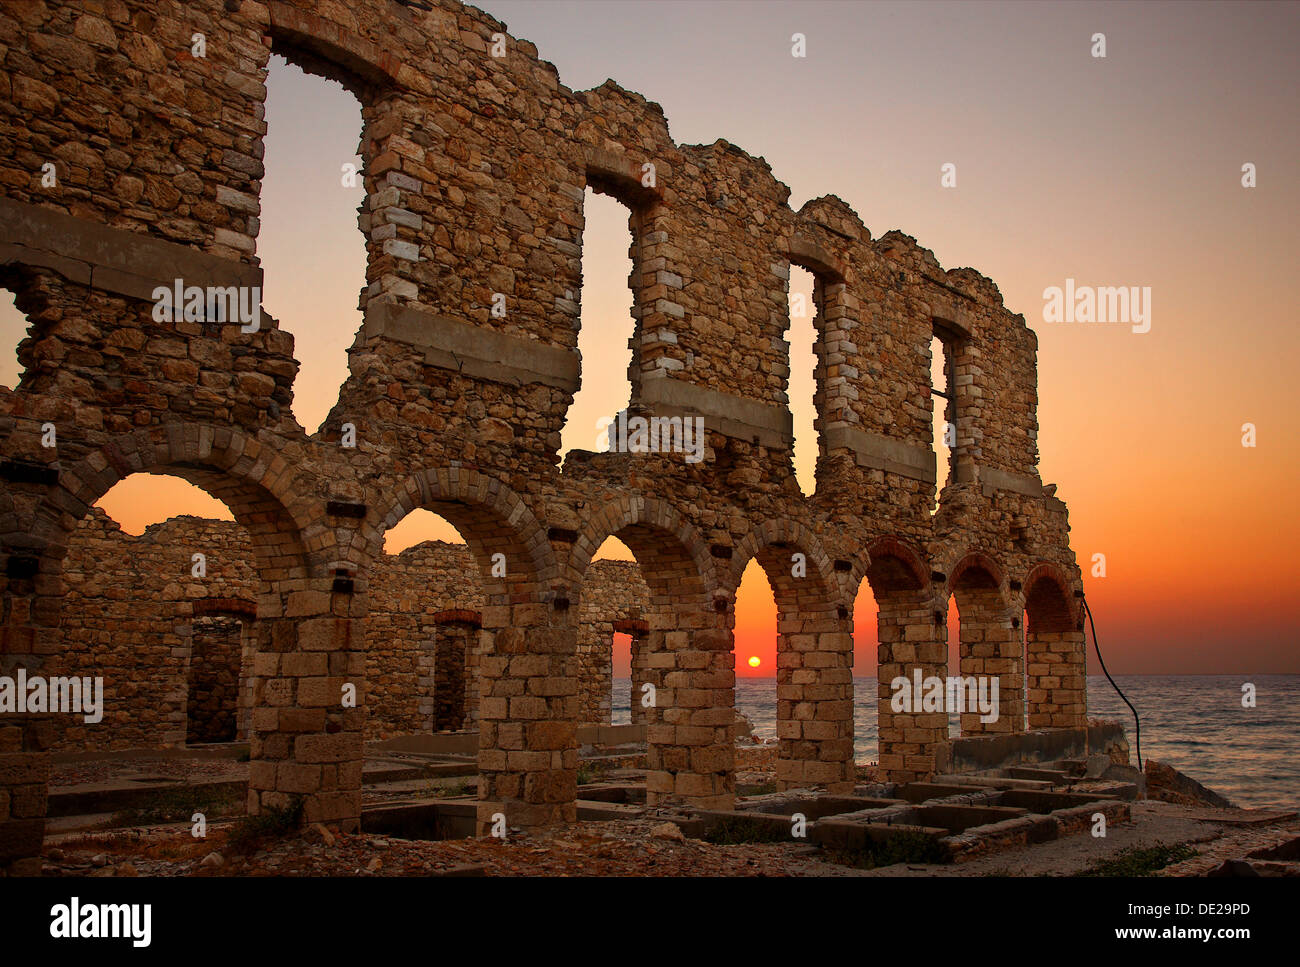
column 907, row 847
column 588, row 774
column 1138, row 861
column 734, row 830
column 451, row 791
column 271, row 823
column 178, row 805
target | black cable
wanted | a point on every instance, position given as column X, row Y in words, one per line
column 1137, row 722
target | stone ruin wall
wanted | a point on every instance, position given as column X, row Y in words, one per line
column 475, row 168
column 130, row 617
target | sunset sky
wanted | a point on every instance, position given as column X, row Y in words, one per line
column 1123, row 170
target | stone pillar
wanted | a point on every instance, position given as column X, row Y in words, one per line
column 814, row 702
column 691, row 756
column 595, row 671
column 636, row 629
column 306, row 743
column 528, row 754
column 28, row 633
column 1056, row 683
column 991, row 647
column 911, row 640
column 247, row 652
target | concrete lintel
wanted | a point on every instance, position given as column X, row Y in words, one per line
column 947, row 315
column 733, row 416
column 112, row 259
column 877, row 452
column 995, row 480
column 472, row 350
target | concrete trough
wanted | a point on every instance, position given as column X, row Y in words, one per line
column 817, row 807
column 839, row 833
column 445, row 819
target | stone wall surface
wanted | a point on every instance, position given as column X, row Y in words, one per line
column 136, row 615
column 475, row 168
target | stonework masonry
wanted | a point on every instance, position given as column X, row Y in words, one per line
column 164, row 640
column 475, row 168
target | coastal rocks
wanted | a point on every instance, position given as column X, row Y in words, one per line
column 1169, row 785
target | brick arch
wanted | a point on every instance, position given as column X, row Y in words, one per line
column 491, row 518
column 253, row 480
column 1049, row 601
column 771, row 543
column 990, row 642
column 814, row 658
column 975, row 569
column 893, row 565
column 642, row 523
column 338, row 51
column 224, row 607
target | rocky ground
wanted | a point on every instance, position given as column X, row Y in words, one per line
column 644, row 847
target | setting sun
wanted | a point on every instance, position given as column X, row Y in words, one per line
column 753, row 661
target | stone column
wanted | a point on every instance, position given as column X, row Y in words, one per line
column 248, row 652
column 28, row 633
column 528, row 754
column 306, row 742
column 911, row 640
column 991, row 647
column 691, row 755
column 1056, row 682
column 814, row 703
column 636, row 629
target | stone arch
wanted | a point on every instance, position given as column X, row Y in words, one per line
column 253, row 480
column 686, row 661
column 913, row 639
column 492, row 519
column 642, row 523
column 991, row 647
column 526, row 652
column 814, row 663
column 1049, row 604
column 1055, row 650
column 325, row 47
column 303, row 744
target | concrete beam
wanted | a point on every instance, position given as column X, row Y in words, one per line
column 883, row 453
column 473, row 350
column 112, row 259
column 734, row 416
column 995, row 480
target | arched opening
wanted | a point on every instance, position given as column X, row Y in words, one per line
column 1055, row 653
column 607, row 330
column 913, row 647
column 804, row 367
column 422, row 630
column 990, row 659
column 526, row 660
column 754, row 656
column 866, row 647
column 161, row 614
column 309, row 200
column 611, row 631
column 685, row 662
